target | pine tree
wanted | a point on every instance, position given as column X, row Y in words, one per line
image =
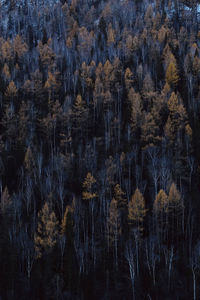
column 160, row 212
column 89, row 188
column 136, row 109
column 111, row 35
column 149, row 131
column 128, row 78
column 29, row 162
column 11, row 90
column 6, row 71
column 175, row 200
column 68, row 222
column 172, row 76
column 114, row 227
column 119, row 196
column 161, row 202
column 67, row 236
column 79, row 115
column 175, row 214
column 47, row 231
column 5, row 201
column 137, row 211
column 177, row 117
column 121, row 200
column 20, row 48
column 7, row 51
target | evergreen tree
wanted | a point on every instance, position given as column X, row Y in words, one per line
column 47, row 231
column 172, row 76
column 137, row 211
column 89, row 188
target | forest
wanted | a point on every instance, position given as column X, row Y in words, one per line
column 99, row 149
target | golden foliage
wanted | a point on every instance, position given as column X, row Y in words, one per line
column 172, row 77
column 47, row 231
column 188, row 130
column 6, row 71
column 161, row 202
column 7, row 50
column 11, row 90
column 46, row 54
column 136, row 208
column 88, row 187
column 20, row 48
column 128, row 77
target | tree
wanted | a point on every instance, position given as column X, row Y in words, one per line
column 47, row 231
column 160, row 211
column 136, row 109
column 172, row 76
column 68, row 222
column 177, row 117
column 196, row 66
column 47, row 55
column 132, row 44
column 67, row 242
column 29, row 161
column 120, row 200
column 52, row 85
column 119, row 196
column 11, row 90
column 175, row 214
column 88, row 187
column 20, row 48
column 137, row 211
column 149, row 131
column 128, row 78
column 85, row 39
column 114, row 227
column 175, row 200
column 5, row 201
column 111, row 35
column 7, row 51
column 6, row 71
column 79, row 116
column 108, row 75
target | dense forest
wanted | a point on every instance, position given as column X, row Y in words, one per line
column 100, row 149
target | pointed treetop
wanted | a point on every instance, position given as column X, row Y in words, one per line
column 88, row 187
column 161, row 202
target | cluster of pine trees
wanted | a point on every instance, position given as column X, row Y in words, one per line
column 99, row 149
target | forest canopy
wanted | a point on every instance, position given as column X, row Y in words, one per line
column 99, row 149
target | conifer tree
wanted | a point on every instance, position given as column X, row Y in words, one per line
column 121, row 201
column 128, row 78
column 114, row 227
column 79, row 115
column 5, row 201
column 119, row 196
column 89, row 187
column 29, row 162
column 11, row 90
column 177, row 117
column 47, row 231
column 136, row 109
column 160, row 210
column 20, row 48
column 111, row 35
column 137, row 211
column 172, row 76
column 175, row 214
column 6, row 71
